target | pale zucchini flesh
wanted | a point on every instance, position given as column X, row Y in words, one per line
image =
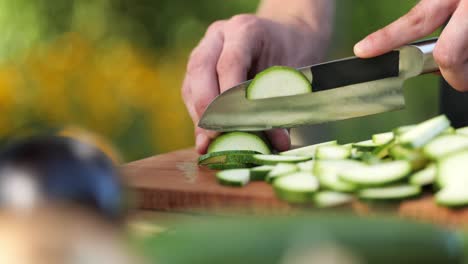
column 445, row 145
column 378, row 174
column 382, row 138
column 239, row 141
column 278, row 81
column 259, row 173
column 333, row 152
column 298, row 187
column 424, row 177
column 308, row 151
column 395, row 192
column 275, row 159
column 325, row 199
column 281, row 169
column 234, row 177
column 423, row 132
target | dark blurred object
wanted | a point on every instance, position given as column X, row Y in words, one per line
column 61, row 235
column 454, row 105
column 323, row 239
column 40, row 170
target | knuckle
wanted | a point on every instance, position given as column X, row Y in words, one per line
column 197, row 61
column 215, row 27
column 228, row 60
column 445, row 59
column 243, row 19
column 185, row 93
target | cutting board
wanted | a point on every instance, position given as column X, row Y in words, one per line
column 174, row 182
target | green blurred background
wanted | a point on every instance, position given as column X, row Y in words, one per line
column 115, row 67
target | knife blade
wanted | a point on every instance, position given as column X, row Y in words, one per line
column 342, row 89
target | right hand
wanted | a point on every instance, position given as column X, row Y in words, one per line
column 234, row 50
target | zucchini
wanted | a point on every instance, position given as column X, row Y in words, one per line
column 281, row 169
column 452, row 170
column 417, row 159
column 325, row 199
column 239, row 141
column 378, row 174
column 424, row 177
column 259, row 173
column 395, row 192
column 228, row 166
column 275, row 159
column 367, row 145
column 424, row 132
column 234, row 177
column 278, row 81
column 306, row 165
column 228, row 156
column 308, row 151
column 445, row 145
column 298, row 187
column 462, row 131
column 453, row 195
column 382, row 138
column 327, row 174
column 333, row 152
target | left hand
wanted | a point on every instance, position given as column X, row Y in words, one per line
column 451, row 51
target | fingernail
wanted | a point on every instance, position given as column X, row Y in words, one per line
column 201, row 142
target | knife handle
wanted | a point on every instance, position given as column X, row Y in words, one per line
column 426, row 47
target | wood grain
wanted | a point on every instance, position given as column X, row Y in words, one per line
column 173, row 182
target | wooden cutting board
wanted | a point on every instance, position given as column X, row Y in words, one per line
column 174, row 182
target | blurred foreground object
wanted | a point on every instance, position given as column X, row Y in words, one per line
column 323, row 239
column 41, row 170
column 61, row 235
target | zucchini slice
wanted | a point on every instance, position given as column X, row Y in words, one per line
column 453, row 195
column 333, row 152
column 424, row 177
column 308, row 151
column 445, row 145
column 327, row 173
column 239, row 141
column 278, row 81
column 298, row 187
column 281, row 169
column 259, row 173
column 228, row 156
column 234, row 177
column 306, row 165
column 400, row 130
column 383, row 138
column 228, row 166
column 452, row 170
column 462, row 131
column 325, row 199
column 367, row 145
column 424, row 132
column 275, row 159
column 417, row 159
column 395, row 192
column 378, row 174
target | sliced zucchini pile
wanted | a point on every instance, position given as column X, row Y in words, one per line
column 390, row 166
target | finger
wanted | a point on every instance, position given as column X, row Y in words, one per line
column 421, row 21
column 279, row 138
column 201, row 79
column 203, row 139
column 239, row 48
column 451, row 51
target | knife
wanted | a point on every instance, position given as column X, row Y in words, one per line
column 342, row 89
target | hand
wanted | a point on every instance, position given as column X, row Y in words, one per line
column 234, row 50
column 451, row 51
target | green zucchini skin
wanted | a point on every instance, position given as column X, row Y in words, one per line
column 228, row 166
column 271, row 239
column 227, row 156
